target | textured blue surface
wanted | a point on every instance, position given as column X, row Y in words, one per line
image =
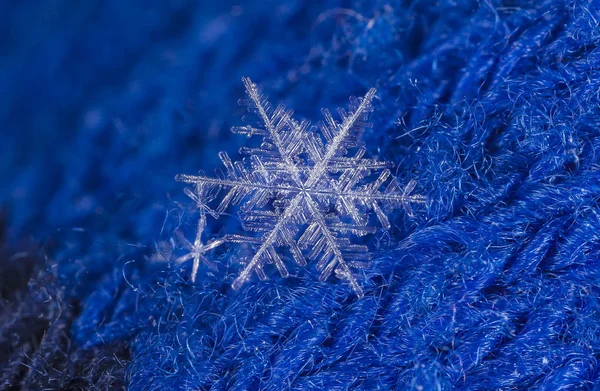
column 492, row 106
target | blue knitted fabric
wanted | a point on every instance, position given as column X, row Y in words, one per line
column 491, row 106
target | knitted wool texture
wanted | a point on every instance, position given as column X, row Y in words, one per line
column 491, row 106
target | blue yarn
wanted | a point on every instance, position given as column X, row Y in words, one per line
column 491, row 106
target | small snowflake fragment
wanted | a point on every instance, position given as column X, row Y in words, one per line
column 299, row 190
column 196, row 250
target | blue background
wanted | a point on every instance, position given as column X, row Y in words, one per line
column 491, row 106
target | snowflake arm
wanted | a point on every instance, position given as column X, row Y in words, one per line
column 341, row 135
column 287, row 144
column 257, row 261
column 332, row 254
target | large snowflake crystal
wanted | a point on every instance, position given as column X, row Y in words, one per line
column 301, row 193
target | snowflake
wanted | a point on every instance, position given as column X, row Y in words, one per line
column 197, row 249
column 299, row 189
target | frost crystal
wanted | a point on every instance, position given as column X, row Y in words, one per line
column 197, row 249
column 299, row 189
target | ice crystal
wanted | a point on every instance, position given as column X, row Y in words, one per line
column 300, row 190
column 197, row 249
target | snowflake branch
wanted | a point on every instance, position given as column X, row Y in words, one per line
column 254, row 95
column 255, row 262
column 337, row 254
column 333, row 147
column 234, row 183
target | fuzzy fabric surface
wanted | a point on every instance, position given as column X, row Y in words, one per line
column 491, row 106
